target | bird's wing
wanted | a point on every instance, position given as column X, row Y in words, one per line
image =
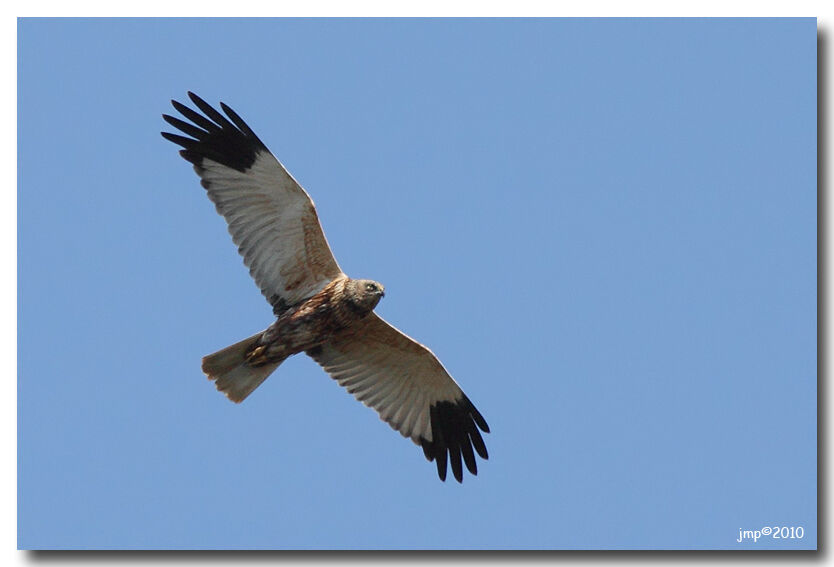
column 405, row 383
column 271, row 218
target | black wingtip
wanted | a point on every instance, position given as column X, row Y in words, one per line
column 454, row 427
column 191, row 157
column 213, row 136
column 196, row 99
column 179, row 140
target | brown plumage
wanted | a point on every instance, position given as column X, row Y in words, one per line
column 319, row 310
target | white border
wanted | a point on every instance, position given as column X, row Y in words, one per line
column 824, row 11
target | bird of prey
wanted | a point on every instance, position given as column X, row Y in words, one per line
column 319, row 310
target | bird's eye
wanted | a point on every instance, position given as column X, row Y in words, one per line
column 370, row 287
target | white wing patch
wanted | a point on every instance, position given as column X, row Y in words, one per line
column 271, row 218
column 275, row 226
column 409, row 388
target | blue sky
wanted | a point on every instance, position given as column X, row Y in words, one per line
column 605, row 229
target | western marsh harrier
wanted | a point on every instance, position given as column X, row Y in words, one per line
column 319, row 310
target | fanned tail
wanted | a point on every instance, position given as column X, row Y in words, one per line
column 231, row 372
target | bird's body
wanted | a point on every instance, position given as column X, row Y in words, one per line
column 316, row 320
column 319, row 310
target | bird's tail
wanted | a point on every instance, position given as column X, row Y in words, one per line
column 233, row 374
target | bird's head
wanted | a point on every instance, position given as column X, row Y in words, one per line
column 365, row 293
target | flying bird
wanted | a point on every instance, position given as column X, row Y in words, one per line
column 319, row 310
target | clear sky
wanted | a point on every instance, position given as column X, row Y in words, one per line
column 605, row 229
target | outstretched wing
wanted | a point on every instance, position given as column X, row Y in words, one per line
column 409, row 388
column 271, row 218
